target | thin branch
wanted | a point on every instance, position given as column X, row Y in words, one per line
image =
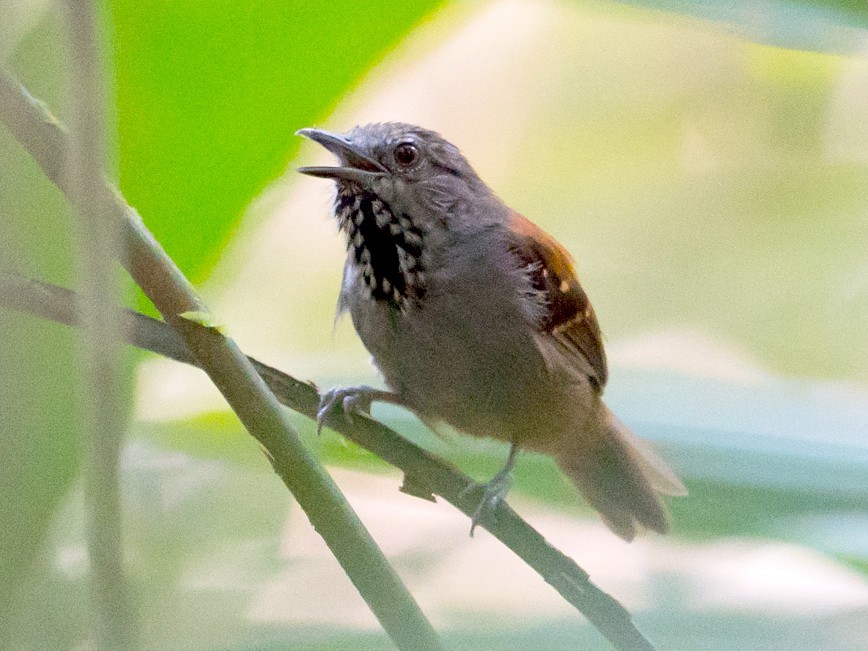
column 98, row 245
column 424, row 472
column 232, row 373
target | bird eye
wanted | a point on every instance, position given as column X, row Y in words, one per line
column 406, row 154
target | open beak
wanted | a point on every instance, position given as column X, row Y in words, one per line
column 355, row 166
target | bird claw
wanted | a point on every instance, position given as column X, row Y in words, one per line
column 353, row 400
column 493, row 493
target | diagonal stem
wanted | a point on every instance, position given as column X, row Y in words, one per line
column 233, row 374
column 425, row 472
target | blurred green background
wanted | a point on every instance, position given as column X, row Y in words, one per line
column 705, row 162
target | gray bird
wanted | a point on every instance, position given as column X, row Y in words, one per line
column 475, row 317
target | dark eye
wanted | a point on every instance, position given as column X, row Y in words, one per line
column 406, row 154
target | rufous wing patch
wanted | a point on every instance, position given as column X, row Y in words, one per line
column 569, row 316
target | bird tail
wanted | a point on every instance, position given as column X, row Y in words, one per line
column 621, row 477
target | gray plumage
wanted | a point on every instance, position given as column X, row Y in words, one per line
column 475, row 316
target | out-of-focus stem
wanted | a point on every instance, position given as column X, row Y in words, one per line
column 98, row 246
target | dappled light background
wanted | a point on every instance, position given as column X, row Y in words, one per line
column 708, row 169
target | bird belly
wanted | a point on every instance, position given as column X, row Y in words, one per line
column 478, row 370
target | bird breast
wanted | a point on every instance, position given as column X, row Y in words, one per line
column 386, row 247
column 467, row 353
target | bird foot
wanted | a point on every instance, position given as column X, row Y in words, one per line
column 353, row 400
column 493, row 493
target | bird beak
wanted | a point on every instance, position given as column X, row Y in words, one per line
column 356, row 165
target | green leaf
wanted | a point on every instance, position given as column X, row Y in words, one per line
column 204, row 319
column 210, row 94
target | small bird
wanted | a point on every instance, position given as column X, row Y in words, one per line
column 475, row 317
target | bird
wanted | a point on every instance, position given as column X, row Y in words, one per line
column 475, row 317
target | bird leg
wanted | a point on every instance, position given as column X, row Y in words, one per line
column 493, row 491
column 353, row 400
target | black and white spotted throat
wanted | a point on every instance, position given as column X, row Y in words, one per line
column 387, row 248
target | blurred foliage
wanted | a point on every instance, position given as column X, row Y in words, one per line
column 706, row 189
column 208, row 96
column 38, row 418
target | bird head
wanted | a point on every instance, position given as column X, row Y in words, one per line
column 401, row 192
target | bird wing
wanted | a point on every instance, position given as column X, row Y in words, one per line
column 567, row 313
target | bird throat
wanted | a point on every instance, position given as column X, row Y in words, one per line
column 386, row 247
